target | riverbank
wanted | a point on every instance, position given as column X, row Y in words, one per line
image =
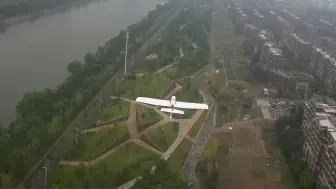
column 33, row 16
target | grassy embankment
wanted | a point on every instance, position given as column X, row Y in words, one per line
column 163, row 136
column 123, row 165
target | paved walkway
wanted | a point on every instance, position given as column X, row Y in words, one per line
column 264, row 106
column 94, row 161
column 132, row 121
column 188, row 170
column 184, row 126
column 104, row 127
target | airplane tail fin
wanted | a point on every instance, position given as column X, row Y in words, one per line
column 175, row 111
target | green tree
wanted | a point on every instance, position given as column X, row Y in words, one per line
column 74, row 67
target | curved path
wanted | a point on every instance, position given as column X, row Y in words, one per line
column 184, row 126
column 131, row 124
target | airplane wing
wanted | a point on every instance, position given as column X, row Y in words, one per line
column 188, row 105
column 153, row 101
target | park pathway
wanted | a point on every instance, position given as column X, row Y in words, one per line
column 94, row 161
column 188, row 170
column 132, row 121
column 184, row 126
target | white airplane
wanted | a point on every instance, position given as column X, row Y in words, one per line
column 173, row 104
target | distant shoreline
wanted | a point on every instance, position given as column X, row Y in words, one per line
column 16, row 20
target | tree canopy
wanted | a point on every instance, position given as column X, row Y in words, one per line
column 290, row 138
column 43, row 115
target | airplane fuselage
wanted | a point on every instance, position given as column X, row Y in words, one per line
column 173, row 102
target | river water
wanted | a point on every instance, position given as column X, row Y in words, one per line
column 34, row 55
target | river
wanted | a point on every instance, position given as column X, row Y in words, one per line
column 34, row 54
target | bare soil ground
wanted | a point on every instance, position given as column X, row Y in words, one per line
column 242, row 161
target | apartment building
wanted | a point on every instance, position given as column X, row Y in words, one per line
column 262, row 39
column 319, row 148
column 298, row 25
column 300, row 82
column 300, row 48
column 272, row 57
column 238, row 17
column 257, row 19
column 325, row 67
column 251, row 32
column 328, row 44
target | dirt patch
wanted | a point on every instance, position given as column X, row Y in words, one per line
column 176, row 87
column 242, row 160
column 132, row 121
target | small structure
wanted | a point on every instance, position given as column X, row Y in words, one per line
column 266, row 92
column 152, row 56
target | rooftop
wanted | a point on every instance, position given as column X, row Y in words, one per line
column 333, row 134
column 325, row 122
column 326, row 55
column 296, row 75
column 301, row 76
column 299, row 39
column 330, row 124
column 251, row 26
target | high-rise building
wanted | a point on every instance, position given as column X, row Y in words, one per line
column 319, row 149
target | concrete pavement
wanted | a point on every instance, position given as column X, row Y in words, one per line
column 188, row 170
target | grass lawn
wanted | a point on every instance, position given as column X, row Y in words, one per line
column 206, row 165
column 114, row 109
column 195, row 129
column 189, row 93
column 91, row 144
column 170, row 72
column 125, row 164
column 176, row 160
column 147, row 115
column 152, row 85
column 163, row 136
column 210, row 149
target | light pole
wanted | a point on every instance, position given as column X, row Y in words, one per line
column 45, row 176
column 126, row 53
column 76, row 129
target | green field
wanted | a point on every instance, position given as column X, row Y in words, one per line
column 163, row 136
column 195, row 129
column 210, row 149
column 120, row 167
column 147, row 115
column 150, row 85
column 91, row 144
column 206, row 170
column 188, row 93
column 113, row 109
column 176, row 160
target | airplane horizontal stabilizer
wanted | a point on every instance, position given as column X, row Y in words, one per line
column 175, row 111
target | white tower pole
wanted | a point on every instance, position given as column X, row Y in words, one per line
column 126, row 53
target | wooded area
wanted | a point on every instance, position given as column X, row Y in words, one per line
column 43, row 115
column 290, row 139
